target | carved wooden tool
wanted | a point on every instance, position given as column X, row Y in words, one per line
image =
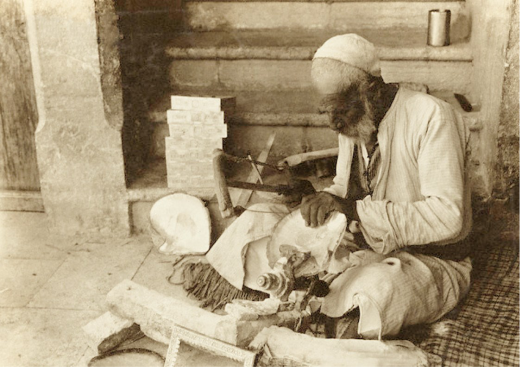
column 296, row 159
column 294, row 189
column 222, row 184
column 241, row 197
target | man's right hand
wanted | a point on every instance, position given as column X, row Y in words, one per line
column 317, row 207
column 299, row 189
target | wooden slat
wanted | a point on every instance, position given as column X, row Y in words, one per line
column 18, row 115
column 241, row 197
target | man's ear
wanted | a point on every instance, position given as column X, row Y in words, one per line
column 371, row 86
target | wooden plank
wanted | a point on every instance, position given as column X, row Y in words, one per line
column 241, row 197
column 18, row 115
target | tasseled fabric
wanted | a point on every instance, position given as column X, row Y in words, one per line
column 208, row 286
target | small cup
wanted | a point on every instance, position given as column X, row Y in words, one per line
column 439, row 27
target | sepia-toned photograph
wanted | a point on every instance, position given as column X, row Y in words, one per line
column 259, row 183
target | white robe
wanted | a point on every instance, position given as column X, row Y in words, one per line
column 422, row 193
column 421, row 196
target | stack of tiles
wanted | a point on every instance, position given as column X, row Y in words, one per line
column 197, row 126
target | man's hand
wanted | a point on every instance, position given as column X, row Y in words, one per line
column 298, row 190
column 316, row 208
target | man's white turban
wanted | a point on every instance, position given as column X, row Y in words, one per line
column 353, row 50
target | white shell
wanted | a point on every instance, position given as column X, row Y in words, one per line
column 320, row 241
column 180, row 224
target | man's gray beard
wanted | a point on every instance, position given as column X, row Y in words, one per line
column 364, row 130
column 366, row 126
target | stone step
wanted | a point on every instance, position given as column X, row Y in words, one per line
column 336, row 15
column 264, row 61
column 249, row 135
column 392, row 44
column 291, row 114
column 319, row 1
column 249, row 131
column 292, row 101
column 294, row 75
column 296, row 132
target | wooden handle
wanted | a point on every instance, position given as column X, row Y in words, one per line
column 221, row 188
column 296, row 159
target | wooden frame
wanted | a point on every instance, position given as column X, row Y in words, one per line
column 180, row 334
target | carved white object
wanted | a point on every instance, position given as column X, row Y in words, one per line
column 180, row 224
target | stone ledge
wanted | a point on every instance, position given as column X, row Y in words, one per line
column 294, row 101
column 330, row 15
column 267, row 76
column 153, row 194
column 302, row 102
column 322, row 1
column 280, row 119
column 288, row 124
column 395, row 44
column 472, row 119
column 311, row 120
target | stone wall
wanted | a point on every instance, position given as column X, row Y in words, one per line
column 494, row 41
column 507, row 163
column 491, row 24
column 145, row 28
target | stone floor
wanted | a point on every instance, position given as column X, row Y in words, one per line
column 50, row 287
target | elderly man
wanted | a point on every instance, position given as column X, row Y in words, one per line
column 401, row 182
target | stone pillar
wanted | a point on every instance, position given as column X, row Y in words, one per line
column 508, row 129
column 78, row 139
column 491, row 21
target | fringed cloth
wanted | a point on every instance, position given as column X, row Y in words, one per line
column 201, row 281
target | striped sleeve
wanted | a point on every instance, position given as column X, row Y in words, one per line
column 438, row 217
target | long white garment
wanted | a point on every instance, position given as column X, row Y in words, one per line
column 228, row 254
column 397, row 290
column 422, row 194
column 250, row 245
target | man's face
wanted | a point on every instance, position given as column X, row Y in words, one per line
column 327, row 83
column 346, row 114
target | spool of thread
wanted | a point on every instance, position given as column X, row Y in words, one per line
column 439, row 27
column 269, row 281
